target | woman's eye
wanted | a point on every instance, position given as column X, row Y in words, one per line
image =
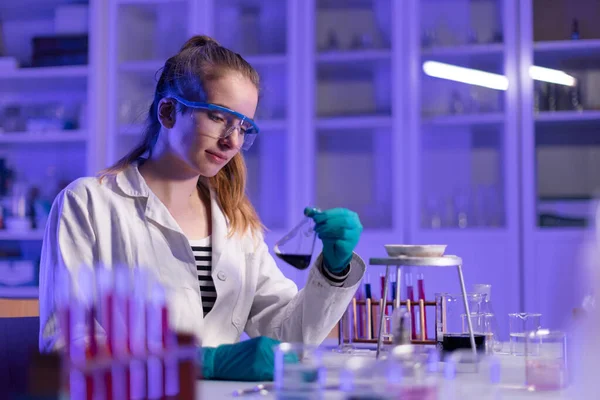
column 216, row 117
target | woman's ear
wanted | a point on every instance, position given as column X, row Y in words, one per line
column 167, row 113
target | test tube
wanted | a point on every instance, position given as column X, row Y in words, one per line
column 119, row 332
column 158, row 339
column 64, row 298
column 187, row 366
column 410, row 295
column 86, row 283
column 393, row 283
column 137, row 334
column 105, row 285
column 359, row 317
column 368, row 310
column 421, row 294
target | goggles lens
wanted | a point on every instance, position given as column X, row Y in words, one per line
column 230, row 119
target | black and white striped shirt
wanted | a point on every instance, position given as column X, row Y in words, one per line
column 202, row 250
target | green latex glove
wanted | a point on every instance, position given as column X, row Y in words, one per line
column 250, row 360
column 339, row 230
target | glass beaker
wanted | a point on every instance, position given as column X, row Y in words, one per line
column 520, row 324
column 297, row 246
column 546, row 360
column 485, row 376
column 363, row 377
column 483, row 323
column 299, row 371
column 410, row 373
column 450, row 334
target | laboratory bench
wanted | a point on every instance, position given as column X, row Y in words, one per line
column 463, row 387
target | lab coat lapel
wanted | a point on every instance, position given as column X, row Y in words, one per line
column 133, row 184
column 219, row 230
column 227, row 270
column 157, row 211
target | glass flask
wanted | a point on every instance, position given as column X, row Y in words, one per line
column 297, row 246
column 491, row 322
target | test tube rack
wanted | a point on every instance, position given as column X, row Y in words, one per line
column 446, row 261
column 371, row 308
column 109, row 377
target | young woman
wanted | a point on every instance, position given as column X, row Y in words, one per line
column 177, row 204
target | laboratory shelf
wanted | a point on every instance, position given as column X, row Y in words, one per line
column 353, row 56
column 568, row 116
column 354, row 122
column 476, row 232
column 465, row 119
column 146, row 2
column 66, row 72
column 43, row 137
column 272, row 124
column 495, row 49
column 567, row 53
column 567, row 48
column 141, row 66
column 24, row 292
column 152, row 66
column 29, row 235
column 259, row 60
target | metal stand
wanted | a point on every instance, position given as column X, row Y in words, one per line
column 399, row 262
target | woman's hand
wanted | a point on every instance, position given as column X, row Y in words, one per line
column 339, row 230
column 249, row 360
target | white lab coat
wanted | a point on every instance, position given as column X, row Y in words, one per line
column 120, row 221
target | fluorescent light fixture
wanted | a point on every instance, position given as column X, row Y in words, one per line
column 551, row 76
column 465, row 75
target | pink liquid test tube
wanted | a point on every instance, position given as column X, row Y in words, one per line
column 119, row 336
column 158, row 340
column 137, row 334
column 105, row 285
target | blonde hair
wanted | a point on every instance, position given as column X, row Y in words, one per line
column 201, row 60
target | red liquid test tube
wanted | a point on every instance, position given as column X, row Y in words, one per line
column 421, row 294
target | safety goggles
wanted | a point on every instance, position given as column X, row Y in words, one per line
column 226, row 121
